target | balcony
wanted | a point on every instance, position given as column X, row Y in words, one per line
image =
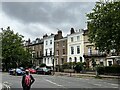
column 48, row 55
column 87, row 55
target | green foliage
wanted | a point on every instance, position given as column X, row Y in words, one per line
column 13, row 52
column 78, row 67
column 93, row 62
column 104, row 26
column 66, row 65
column 109, row 70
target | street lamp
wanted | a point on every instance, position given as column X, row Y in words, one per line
column 53, row 66
column 70, row 65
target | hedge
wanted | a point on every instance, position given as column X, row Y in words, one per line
column 109, row 70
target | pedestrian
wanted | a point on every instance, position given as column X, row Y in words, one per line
column 27, row 80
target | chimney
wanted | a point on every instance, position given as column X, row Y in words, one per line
column 29, row 40
column 72, row 31
column 8, row 28
column 52, row 34
column 45, row 35
column 59, row 34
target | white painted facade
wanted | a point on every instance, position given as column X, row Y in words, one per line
column 48, row 46
column 78, row 41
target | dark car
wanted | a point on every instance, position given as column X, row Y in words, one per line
column 44, row 71
column 12, row 71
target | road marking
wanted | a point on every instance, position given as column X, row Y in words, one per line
column 53, row 82
column 6, row 85
column 115, row 84
column 111, row 84
column 97, row 84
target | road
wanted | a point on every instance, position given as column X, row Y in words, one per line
column 48, row 81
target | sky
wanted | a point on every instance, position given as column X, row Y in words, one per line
column 34, row 19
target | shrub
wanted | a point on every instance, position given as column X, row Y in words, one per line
column 109, row 70
column 78, row 67
column 66, row 65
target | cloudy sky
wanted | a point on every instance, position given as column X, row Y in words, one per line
column 34, row 19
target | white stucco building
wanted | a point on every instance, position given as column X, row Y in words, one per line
column 75, row 46
column 48, row 50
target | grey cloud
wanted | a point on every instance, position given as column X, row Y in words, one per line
column 42, row 11
column 62, row 15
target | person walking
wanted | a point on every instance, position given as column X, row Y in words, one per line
column 27, row 80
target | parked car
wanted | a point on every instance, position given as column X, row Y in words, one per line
column 19, row 71
column 12, row 71
column 31, row 70
column 44, row 71
column 16, row 71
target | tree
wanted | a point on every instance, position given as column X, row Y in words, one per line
column 104, row 26
column 13, row 52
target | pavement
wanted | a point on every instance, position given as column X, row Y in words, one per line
column 88, row 74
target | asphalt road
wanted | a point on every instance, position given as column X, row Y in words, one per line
column 48, row 81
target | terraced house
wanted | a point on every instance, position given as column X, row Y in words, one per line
column 55, row 50
column 81, row 50
column 36, row 49
column 60, row 50
column 48, row 50
column 75, row 46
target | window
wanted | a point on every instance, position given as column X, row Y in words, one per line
column 45, row 61
column 40, row 53
column 80, row 59
column 78, row 38
column 70, row 59
column 110, row 63
column 48, row 61
column 75, row 59
column 89, row 51
column 57, row 52
column 33, row 47
column 71, row 39
column 50, row 41
column 50, row 51
column 62, row 61
column 57, row 61
column 78, row 49
column 37, row 54
column 46, row 52
column 63, row 51
column 72, row 50
column 63, row 43
column 46, row 42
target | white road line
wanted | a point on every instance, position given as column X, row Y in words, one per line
column 6, row 84
column 115, row 84
column 111, row 84
column 114, row 87
column 53, row 83
column 97, row 84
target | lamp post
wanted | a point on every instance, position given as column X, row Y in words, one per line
column 70, row 66
column 53, row 66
